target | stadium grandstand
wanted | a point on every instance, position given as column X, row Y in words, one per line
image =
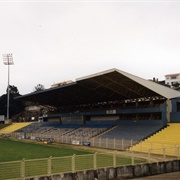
column 111, row 105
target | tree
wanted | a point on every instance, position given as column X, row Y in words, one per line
column 176, row 86
column 39, row 87
column 15, row 106
column 13, row 91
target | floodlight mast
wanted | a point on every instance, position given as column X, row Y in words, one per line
column 8, row 60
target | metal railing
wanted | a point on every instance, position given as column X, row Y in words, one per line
column 116, row 144
column 60, row 165
column 149, row 152
column 161, row 149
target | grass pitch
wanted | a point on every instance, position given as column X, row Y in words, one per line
column 17, row 150
column 42, row 160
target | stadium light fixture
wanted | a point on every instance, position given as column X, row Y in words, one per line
column 8, row 60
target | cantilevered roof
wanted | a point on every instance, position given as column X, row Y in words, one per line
column 106, row 86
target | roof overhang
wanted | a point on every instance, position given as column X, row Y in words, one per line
column 106, row 86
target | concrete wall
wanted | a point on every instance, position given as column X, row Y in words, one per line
column 175, row 115
column 119, row 173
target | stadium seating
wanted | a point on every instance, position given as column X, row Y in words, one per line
column 126, row 130
column 86, row 132
column 3, row 126
column 33, row 127
column 130, row 130
column 54, row 129
column 168, row 138
column 47, row 129
column 13, row 127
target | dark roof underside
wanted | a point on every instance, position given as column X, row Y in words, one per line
column 105, row 87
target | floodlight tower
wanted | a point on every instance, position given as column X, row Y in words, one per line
column 8, row 60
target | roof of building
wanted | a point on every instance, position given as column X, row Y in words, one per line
column 61, row 83
column 169, row 75
column 106, row 86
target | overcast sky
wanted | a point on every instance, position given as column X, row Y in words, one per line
column 57, row 41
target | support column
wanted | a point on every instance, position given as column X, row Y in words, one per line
column 60, row 121
column 168, row 110
column 84, row 119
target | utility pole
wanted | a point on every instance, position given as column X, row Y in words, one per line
column 8, row 60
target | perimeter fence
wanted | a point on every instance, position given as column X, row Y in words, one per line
column 170, row 149
column 145, row 153
column 116, row 144
column 60, row 165
column 26, row 168
column 160, row 148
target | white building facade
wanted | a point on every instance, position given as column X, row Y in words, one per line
column 171, row 79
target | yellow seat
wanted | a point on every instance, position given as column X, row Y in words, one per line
column 168, row 138
column 13, row 127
